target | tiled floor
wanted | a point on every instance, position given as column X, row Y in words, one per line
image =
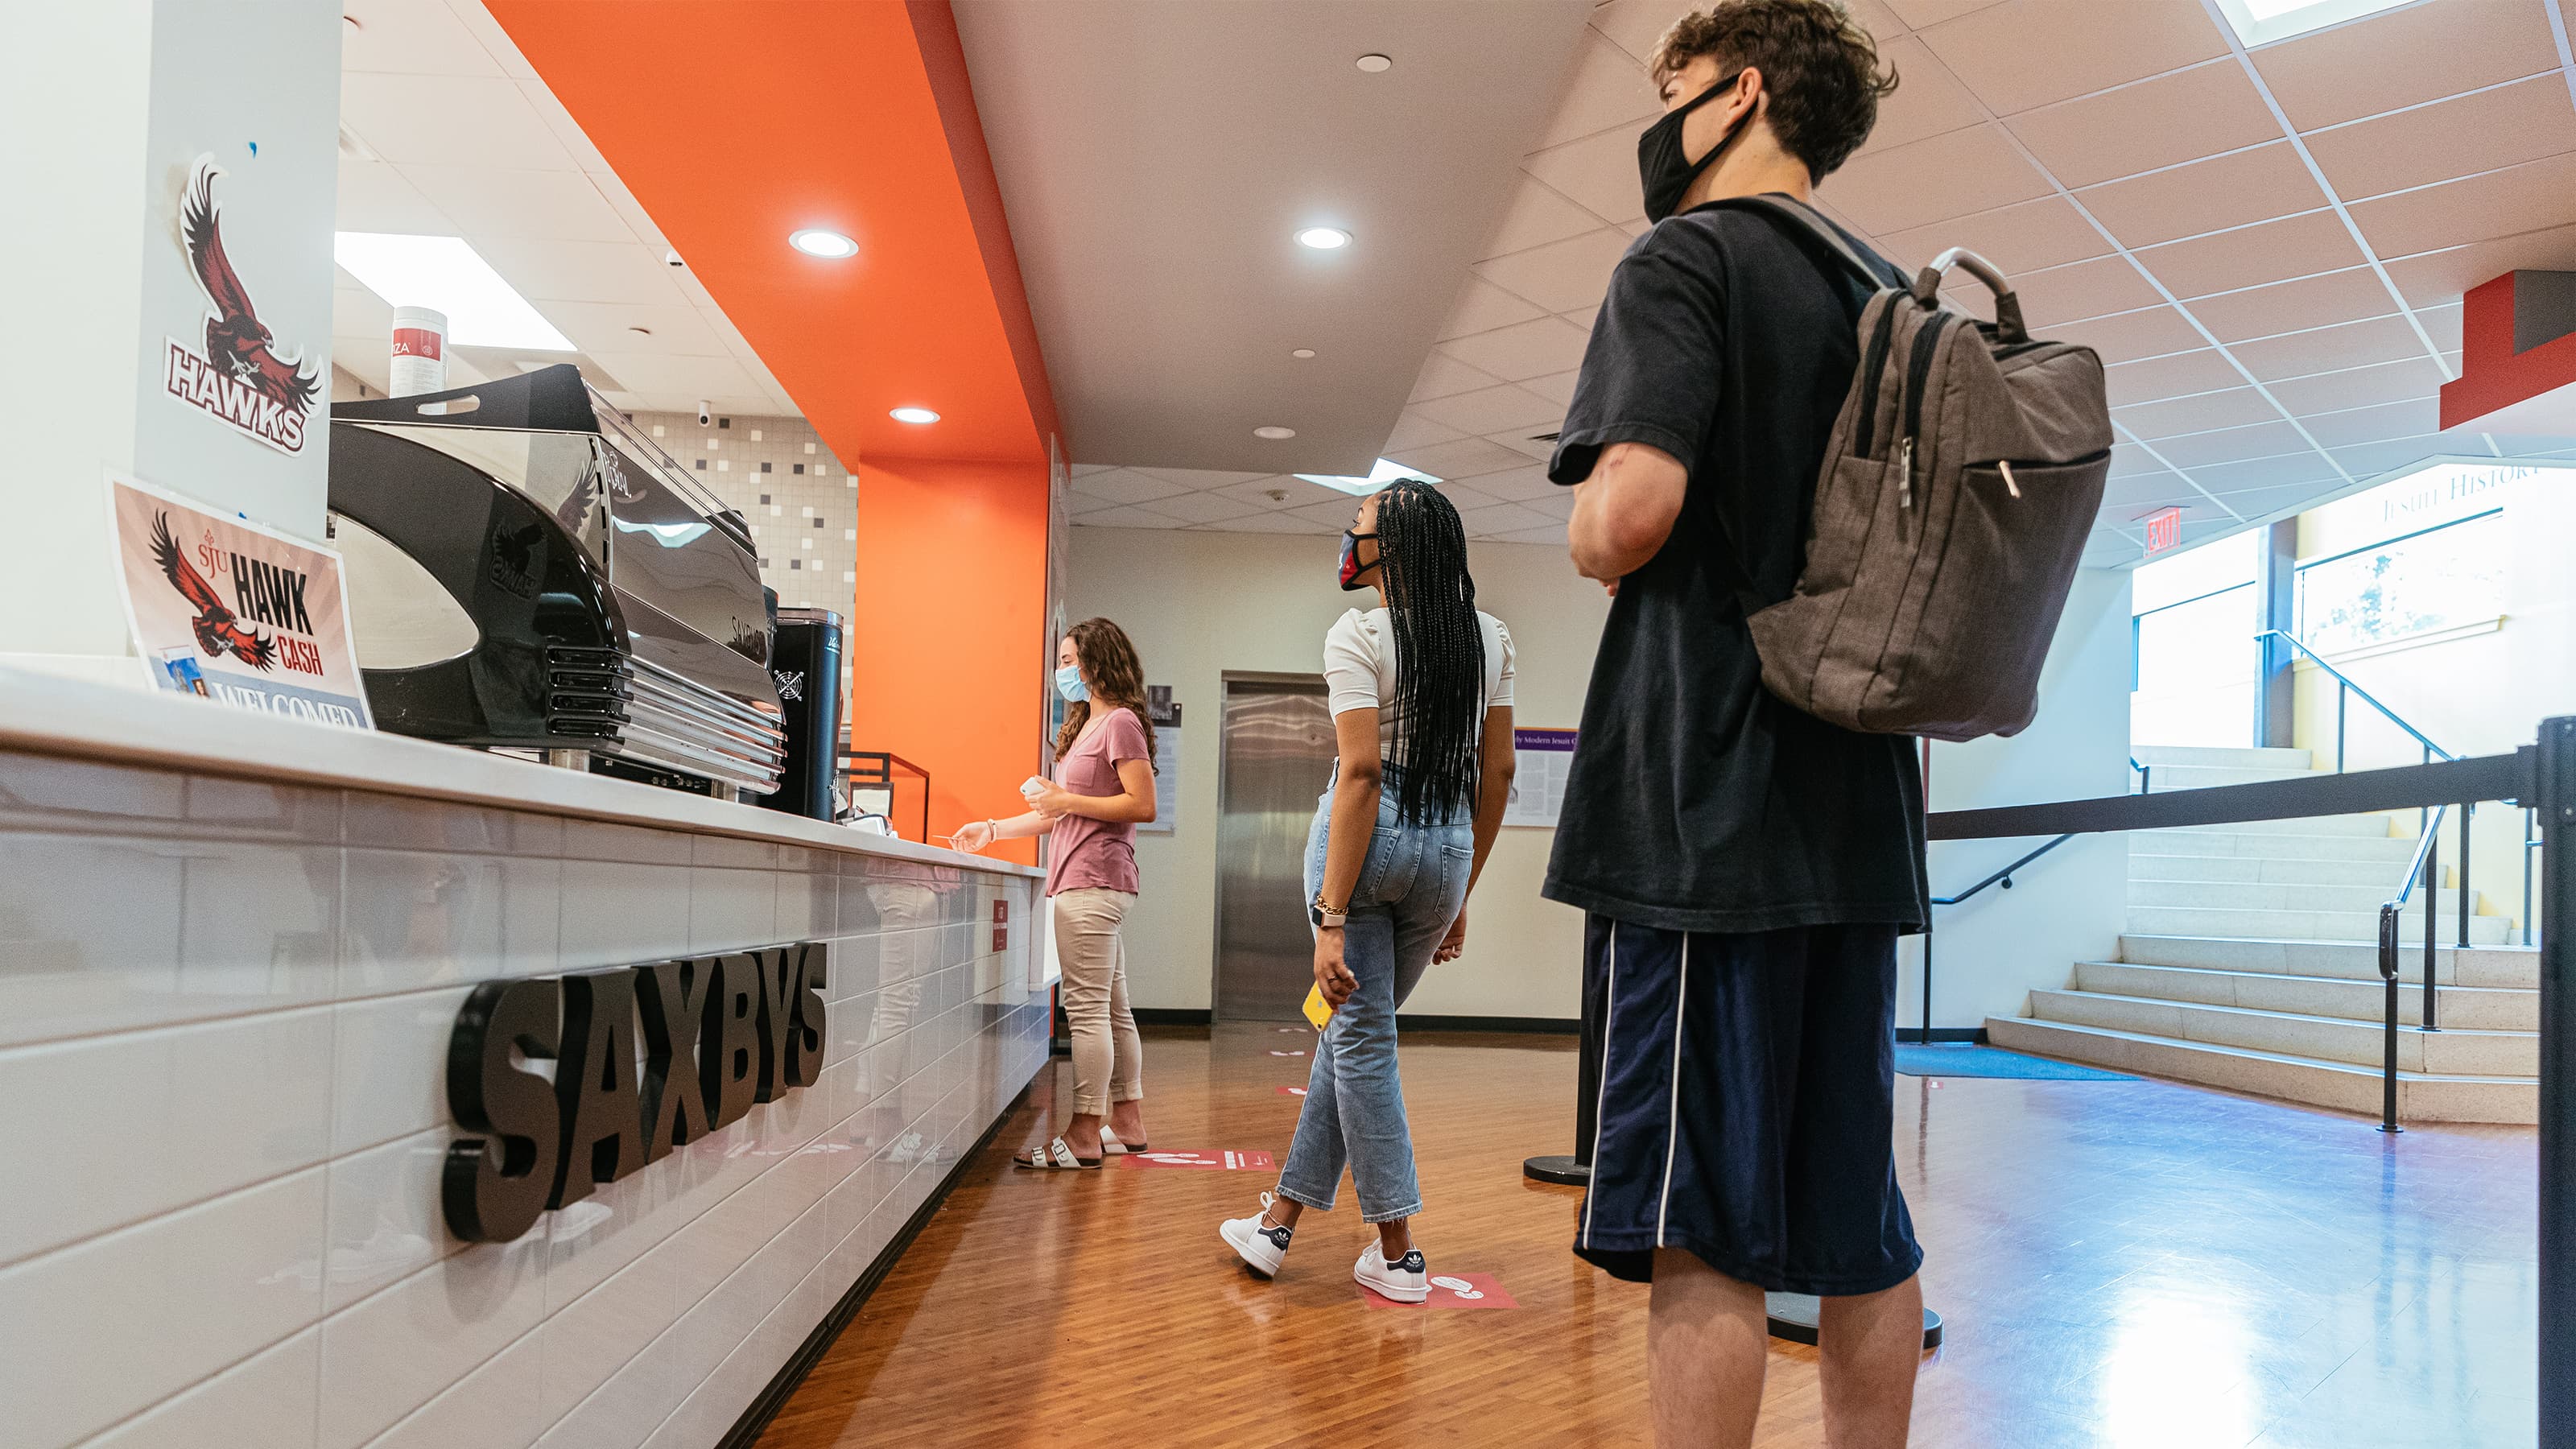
column 2121, row 1264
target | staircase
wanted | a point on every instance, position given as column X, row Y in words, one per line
column 2251, row 963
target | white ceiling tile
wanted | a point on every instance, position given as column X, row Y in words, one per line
column 1958, row 173
column 608, row 327
column 1927, row 101
column 2376, row 385
column 2023, row 237
column 1256, row 494
column 1521, row 441
column 1924, row 14
column 1202, row 477
column 1492, row 410
column 2518, row 199
column 1464, row 496
column 2165, row 121
column 491, row 201
column 697, row 377
column 1605, row 89
column 1558, row 505
column 2405, row 56
column 2502, row 127
column 1536, row 216
column 2371, row 459
column 1557, row 388
column 2211, row 195
column 1522, row 483
column 2260, row 504
column 2440, row 278
column 2052, row 295
column 2251, row 256
column 375, row 197
column 574, row 271
column 450, row 120
column 1561, row 275
column 2442, row 324
column 1598, row 172
column 1553, row 534
column 2262, row 440
column 2129, row 336
column 2122, row 496
column 2373, row 424
column 2309, row 468
column 1633, row 25
column 1200, row 508
column 1080, row 469
column 1334, row 511
column 1482, row 307
column 1413, row 430
column 505, row 51
column 417, row 37
column 1529, row 349
column 2028, row 53
column 1443, row 374
column 2319, row 301
column 576, row 142
column 2178, row 375
column 1125, row 518
column 2207, row 412
column 2329, row 349
column 1581, row 317
column 1504, row 518
column 629, row 210
column 1272, row 523
column 1127, row 485
column 1465, row 458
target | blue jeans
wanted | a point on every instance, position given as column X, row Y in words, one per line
column 1409, row 892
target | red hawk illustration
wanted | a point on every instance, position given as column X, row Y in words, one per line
column 236, row 340
column 217, row 631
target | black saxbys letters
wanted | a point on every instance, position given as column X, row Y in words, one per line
column 717, row 1034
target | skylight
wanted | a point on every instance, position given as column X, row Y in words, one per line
column 1386, row 471
column 2261, row 22
column 445, row 273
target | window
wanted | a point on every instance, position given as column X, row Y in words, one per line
column 2195, row 657
column 2421, row 583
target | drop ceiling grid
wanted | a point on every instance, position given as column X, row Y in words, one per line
column 554, row 221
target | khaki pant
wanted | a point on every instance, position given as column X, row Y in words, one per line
column 1108, row 1056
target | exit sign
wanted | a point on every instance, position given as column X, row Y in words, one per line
column 2164, row 530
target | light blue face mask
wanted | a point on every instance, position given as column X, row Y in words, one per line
column 1068, row 682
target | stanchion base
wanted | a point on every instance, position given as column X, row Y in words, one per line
column 1793, row 1317
column 1565, row 1171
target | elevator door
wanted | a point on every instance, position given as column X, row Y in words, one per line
column 1276, row 754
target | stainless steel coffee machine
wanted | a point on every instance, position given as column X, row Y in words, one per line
column 527, row 571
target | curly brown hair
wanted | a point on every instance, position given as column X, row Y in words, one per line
column 1820, row 69
column 1115, row 676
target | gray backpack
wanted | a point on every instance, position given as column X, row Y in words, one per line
column 1951, row 511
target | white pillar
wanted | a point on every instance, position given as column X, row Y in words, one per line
column 108, row 106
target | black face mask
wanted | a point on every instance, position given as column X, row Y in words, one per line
column 1352, row 568
column 1662, row 167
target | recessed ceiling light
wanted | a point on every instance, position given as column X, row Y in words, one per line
column 1274, row 434
column 2261, row 22
column 1385, row 471
column 915, row 416
column 815, row 241
column 445, row 273
column 1373, row 63
column 1302, row 353
column 1324, row 238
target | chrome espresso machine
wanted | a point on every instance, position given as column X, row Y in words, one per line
column 526, row 571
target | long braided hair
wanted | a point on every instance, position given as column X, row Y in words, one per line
column 1439, row 649
column 1116, row 677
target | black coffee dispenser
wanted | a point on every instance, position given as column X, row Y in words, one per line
column 805, row 664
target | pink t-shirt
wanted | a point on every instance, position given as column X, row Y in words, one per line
column 1088, row 852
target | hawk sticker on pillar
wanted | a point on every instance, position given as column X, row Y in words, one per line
column 240, row 614
column 242, row 379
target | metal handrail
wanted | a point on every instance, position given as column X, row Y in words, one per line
column 2345, row 681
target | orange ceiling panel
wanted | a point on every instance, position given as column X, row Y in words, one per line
column 737, row 122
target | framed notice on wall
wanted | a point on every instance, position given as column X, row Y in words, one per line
column 1543, row 758
column 1164, row 718
column 234, row 611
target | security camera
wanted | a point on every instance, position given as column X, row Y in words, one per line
column 706, row 413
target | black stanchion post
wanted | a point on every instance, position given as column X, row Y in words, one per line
column 1575, row 1170
column 2556, row 792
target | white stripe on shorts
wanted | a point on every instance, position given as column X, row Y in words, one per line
column 1601, row 1089
column 1673, row 1113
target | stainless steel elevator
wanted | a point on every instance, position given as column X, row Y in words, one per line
column 1274, row 755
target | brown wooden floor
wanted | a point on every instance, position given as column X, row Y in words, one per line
column 2125, row 1264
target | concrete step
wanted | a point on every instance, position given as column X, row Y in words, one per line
column 2448, row 1052
column 2164, row 778
column 2305, row 925
column 2466, row 1008
column 2273, row 896
column 2341, row 1085
column 2511, row 967
column 2377, row 874
column 2160, row 756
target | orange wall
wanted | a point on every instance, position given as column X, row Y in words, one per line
column 950, row 599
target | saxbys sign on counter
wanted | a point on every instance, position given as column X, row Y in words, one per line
column 239, row 613
column 717, row 1034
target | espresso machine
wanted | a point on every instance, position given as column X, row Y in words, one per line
column 527, row 571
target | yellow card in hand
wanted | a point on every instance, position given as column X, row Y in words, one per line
column 1316, row 1011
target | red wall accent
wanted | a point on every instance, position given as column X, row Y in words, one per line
column 2492, row 374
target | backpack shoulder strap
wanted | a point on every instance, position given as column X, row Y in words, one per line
column 1802, row 220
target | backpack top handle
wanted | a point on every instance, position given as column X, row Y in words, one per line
column 2008, row 324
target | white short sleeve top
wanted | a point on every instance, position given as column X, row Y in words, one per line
column 1360, row 667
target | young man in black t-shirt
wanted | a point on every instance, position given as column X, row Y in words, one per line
column 1746, row 868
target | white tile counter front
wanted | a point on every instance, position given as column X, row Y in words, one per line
column 232, row 951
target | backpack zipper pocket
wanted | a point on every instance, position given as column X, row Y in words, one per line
column 2012, row 485
column 1873, row 361
column 1918, row 369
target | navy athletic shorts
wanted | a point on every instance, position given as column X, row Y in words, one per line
column 1747, row 1105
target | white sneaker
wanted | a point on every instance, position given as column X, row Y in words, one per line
column 1405, row 1281
column 1260, row 1244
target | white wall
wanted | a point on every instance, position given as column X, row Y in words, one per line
column 1200, row 604
column 2070, row 904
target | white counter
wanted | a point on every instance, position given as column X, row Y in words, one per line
column 232, row 953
